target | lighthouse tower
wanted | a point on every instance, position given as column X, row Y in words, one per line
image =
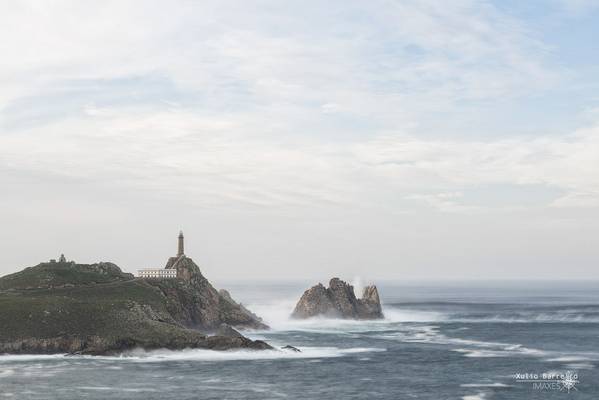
column 180, row 248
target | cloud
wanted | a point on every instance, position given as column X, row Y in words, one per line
column 566, row 162
column 266, row 104
column 444, row 202
column 359, row 121
column 214, row 160
column 418, row 56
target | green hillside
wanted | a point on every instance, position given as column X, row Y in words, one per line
column 57, row 274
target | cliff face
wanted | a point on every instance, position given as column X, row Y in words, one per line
column 98, row 309
column 338, row 301
column 195, row 303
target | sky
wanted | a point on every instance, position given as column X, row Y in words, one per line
column 386, row 140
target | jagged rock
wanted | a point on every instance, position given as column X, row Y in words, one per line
column 195, row 303
column 370, row 301
column 227, row 331
column 289, row 347
column 339, row 301
column 226, row 343
column 102, row 345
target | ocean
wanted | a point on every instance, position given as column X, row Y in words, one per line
column 456, row 340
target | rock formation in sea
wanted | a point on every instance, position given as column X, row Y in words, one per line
column 64, row 307
column 291, row 348
column 339, row 301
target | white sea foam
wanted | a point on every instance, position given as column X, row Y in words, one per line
column 478, row 353
column 211, row 355
column 276, row 313
column 525, row 319
column 431, row 334
column 278, row 316
column 28, row 357
column 575, row 361
column 6, row 372
column 482, row 385
column 490, row 349
column 393, row 314
column 115, row 388
column 569, row 358
column 358, row 285
column 409, row 314
column 477, row 396
column 139, row 355
column 576, row 366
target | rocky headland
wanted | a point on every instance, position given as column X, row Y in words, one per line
column 338, row 301
column 64, row 307
column 195, row 303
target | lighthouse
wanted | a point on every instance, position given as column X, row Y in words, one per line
column 180, row 249
column 171, row 270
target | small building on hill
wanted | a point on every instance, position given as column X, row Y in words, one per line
column 170, row 271
column 157, row 273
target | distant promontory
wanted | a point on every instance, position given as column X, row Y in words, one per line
column 65, row 307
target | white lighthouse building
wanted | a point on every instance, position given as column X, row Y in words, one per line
column 161, row 273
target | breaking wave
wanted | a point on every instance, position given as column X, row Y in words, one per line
column 139, row 355
column 485, row 385
column 277, row 315
column 212, row 355
column 28, row 357
column 492, row 313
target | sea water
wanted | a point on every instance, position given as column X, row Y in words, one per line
column 470, row 340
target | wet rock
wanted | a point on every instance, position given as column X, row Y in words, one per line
column 195, row 303
column 291, row 348
column 339, row 301
column 227, row 331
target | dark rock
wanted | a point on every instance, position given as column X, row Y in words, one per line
column 238, row 312
column 195, row 303
column 288, row 347
column 227, row 331
column 97, row 345
column 370, row 302
column 227, row 343
column 339, row 301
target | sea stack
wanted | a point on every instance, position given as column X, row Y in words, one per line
column 339, row 301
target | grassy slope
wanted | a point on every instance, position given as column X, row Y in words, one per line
column 103, row 302
column 58, row 274
column 106, row 310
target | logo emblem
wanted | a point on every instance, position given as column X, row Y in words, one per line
column 569, row 381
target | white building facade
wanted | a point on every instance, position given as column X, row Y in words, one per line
column 156, row 273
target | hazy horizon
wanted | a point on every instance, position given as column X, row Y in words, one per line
column 381, row 140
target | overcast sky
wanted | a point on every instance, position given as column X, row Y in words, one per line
column 303, row 139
